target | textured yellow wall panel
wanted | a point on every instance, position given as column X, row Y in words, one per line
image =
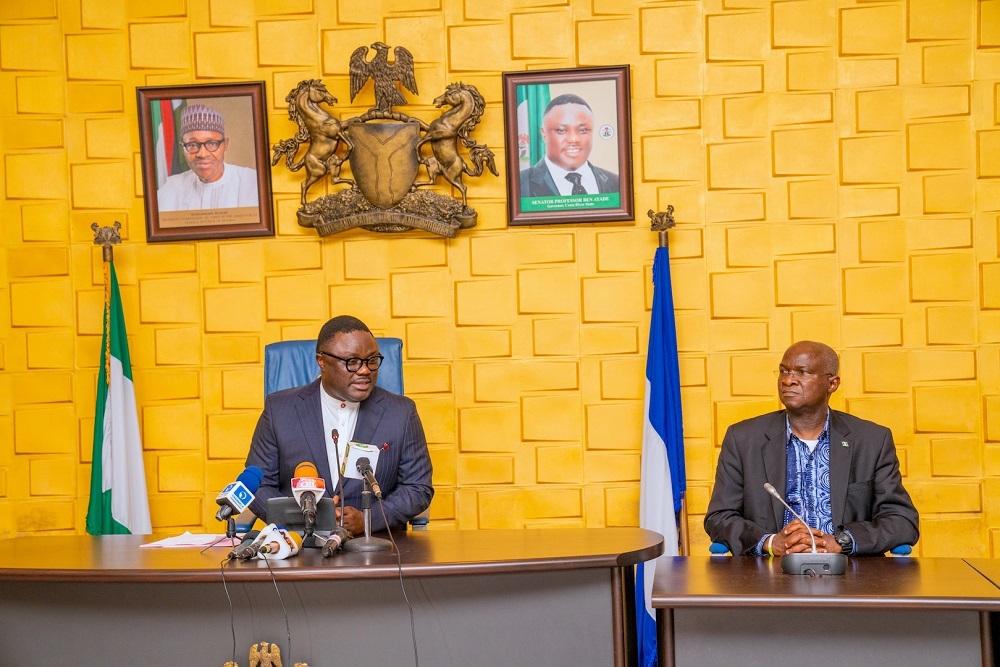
column 736, row 36
column 228, row 434
column 556, row 337
column 489, row 428
column 42, row 175
column 47, row 430
column 611, row 299
column 871, row 30
column 947, row 63
column 742, row 294
column 499, row 382
column 872, row 159
column 180, row 473
column 541, row 34
column 52, row 476
column 939, row 145
column 173, row 300
column 738, row 165
column 949, row 193
column 160, row 45
column 553, row 418
column 234, row 309
column 606, row 339
column 44, row 515
column 561, row 465
column 956, row 457
column 31, row 47
column 485, row 302
column 225, row 55
column 807, row 282
column 613, row 425
column 422, row 294
column 942, row 409
column 486, row 469
column 176, row 426
column 286, row 42
column 548, row 290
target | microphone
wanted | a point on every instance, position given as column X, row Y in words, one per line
column 249, row 551
column 365, row 468
column 307, row 488
column 814, row 563
column 336, row 541
column 282, row 545
column 239, row 494
column 335, row 434
column 247, row 541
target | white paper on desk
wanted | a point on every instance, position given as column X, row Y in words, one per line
column 187, row 539
column 354, row 451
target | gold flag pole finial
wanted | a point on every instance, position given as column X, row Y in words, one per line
column 661, row 222
column 107, row 237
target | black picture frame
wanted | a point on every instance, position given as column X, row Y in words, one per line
column 172, row 214
column 533, row 198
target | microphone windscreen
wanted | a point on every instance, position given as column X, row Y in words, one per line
column 306, row 469
column 251, row 478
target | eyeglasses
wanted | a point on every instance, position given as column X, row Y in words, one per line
column 797, row 374
column 193, row 147
column 354, row 364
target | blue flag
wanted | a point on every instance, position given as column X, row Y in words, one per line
column 663, row 481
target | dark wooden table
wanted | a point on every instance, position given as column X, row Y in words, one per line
column 525, row 597
column 885, row 611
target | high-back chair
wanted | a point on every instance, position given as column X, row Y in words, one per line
column 292, row 363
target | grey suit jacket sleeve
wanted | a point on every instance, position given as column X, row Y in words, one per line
column 867, row 496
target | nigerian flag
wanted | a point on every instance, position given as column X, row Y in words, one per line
column 118, row 502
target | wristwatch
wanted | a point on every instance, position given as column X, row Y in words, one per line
column 844, row 540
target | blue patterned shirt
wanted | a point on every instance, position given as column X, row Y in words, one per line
column 807, row 483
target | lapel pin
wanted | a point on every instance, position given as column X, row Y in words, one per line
column 843, row 443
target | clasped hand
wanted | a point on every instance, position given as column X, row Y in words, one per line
column 795, row 538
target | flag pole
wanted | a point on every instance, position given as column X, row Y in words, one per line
column 107, row 238
column 660, row 223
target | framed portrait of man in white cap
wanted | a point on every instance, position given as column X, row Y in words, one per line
column 204, row 161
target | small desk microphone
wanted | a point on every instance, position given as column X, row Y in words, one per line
column 814, row 563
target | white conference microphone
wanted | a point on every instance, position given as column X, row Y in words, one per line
column 814, row 563
column 282, row 545
column 307, row 488
column 251, row 550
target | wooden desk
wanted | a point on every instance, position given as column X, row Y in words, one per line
column 524, row 597
column 886, row 611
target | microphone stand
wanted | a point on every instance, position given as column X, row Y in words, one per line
column 367, row 543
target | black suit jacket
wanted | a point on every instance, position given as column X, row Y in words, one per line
column 290, row 431
column 866, row 490
column 536, row 181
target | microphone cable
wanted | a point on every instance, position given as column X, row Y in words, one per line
column 229, row 599
column 402, row 587
column 284, row 612
column 232, row 613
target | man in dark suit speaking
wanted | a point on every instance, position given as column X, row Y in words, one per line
column 568, row 131
column 839, row 472
column 298, row 424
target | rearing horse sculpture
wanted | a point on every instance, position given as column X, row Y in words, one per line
column 323, row 132
column 443, row 133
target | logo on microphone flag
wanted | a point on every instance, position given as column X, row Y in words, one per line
column 118, row 501
column 662, row 477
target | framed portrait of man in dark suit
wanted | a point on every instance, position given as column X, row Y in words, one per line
column 568, row 145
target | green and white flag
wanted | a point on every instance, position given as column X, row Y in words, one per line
column 118, row 502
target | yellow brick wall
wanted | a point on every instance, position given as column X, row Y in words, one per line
column 835, row 166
